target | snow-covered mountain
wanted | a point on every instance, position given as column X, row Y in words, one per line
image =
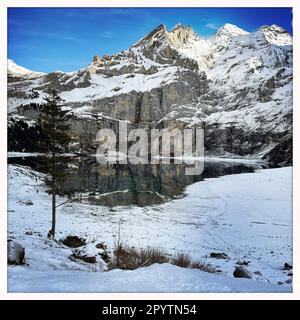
column 15, row 70
column 237, row 84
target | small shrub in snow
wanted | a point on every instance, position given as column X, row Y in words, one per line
column 128, row 258
column 181, row 260
column 203, row 267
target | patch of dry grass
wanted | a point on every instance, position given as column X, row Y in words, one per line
column 130, row 258
column 181, row 260
column 203, row 266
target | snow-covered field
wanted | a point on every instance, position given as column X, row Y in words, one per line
column 247, row 216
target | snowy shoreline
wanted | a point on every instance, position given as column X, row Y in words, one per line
column 247, row 216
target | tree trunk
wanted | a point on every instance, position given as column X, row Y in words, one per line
column 51, row 233
column 53, row 211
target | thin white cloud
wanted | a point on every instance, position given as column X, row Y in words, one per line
column 107, row 35
column 52, row 35
column 212, row 26
column 109, row 12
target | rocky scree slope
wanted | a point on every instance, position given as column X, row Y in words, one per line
column 235, row 84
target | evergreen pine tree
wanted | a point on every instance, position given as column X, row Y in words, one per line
column 53, row 121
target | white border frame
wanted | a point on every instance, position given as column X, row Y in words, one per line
column 3, row 154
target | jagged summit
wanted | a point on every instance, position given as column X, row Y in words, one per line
column 230, row 30
column 177, row 37
column 157, row 33
column 273, row 28
column 276, row 35
column 185, row 41
column 161, row 47
column 181, row 28
column 182, row 35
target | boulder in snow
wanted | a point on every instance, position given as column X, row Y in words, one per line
column 91, row 254
column 219, row 255
column 85, row 258
column 101, row 245
column 242, row 272
column 73, row 241
column 15, row 253
column 287, row 266
column 26, row 202
column 288, row 281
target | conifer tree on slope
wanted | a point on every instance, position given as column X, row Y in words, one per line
column 53, row 121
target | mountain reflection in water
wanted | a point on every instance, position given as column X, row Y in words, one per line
column 126, row 184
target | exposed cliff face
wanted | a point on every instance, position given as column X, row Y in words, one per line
column 238, row 85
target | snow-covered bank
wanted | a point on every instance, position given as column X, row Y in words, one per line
column 247, row 216
column 220, row 159
column 156, row 278
column 14, row 154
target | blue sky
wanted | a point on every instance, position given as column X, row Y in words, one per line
column 49, row 39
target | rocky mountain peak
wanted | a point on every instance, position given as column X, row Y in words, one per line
column 273, row 28
column 178, row 37
column 96, row 59
column 158, row 34
column 230, row 30
column 276, row 35
column 160, row 47
column 181, row 27
column 181, row 35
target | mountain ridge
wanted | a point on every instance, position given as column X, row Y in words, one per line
column 234, row 79
column 226, row 30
